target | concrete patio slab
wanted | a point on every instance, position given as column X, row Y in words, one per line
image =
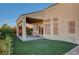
column 74, row 51
column 29, row 38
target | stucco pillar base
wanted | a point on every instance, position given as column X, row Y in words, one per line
column 24, row 38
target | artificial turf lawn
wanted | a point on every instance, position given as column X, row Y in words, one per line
column 41, row 47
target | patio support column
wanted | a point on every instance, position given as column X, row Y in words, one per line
column 34, row 30
column 23, row 28
column 17, row 32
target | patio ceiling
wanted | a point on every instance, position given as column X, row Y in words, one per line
column 33, row 20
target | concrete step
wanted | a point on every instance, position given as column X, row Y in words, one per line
column 28, row 38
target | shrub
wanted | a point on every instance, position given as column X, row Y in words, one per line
column 2, row 49
column 7, row 36
column 6, row 30
column 29, row 31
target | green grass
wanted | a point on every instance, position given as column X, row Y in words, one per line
column 42, row 47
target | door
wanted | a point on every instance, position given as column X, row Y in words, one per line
column 40, row 30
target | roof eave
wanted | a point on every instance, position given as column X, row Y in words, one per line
column 37, row 11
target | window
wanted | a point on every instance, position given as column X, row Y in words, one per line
column 71, row 27
column 55, row 19
column 47, row 28
column 55, row 26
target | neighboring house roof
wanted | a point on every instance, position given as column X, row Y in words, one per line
column 38, row 11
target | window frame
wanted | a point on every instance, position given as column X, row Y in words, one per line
column 71, row 27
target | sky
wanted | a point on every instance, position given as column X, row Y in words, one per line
column 10, row 12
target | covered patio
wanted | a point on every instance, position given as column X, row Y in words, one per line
column 35, row 25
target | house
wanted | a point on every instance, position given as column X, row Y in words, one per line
column 57, row 22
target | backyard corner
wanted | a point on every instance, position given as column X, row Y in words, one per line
column 42, row 47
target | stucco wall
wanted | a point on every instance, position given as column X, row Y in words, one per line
column 64, row 13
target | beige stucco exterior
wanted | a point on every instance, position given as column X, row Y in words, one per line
column 65, row 13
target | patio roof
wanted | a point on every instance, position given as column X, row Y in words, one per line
column 37, row 11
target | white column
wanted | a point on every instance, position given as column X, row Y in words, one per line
column 23, row 28
column 17, row 32
column 34, row 29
